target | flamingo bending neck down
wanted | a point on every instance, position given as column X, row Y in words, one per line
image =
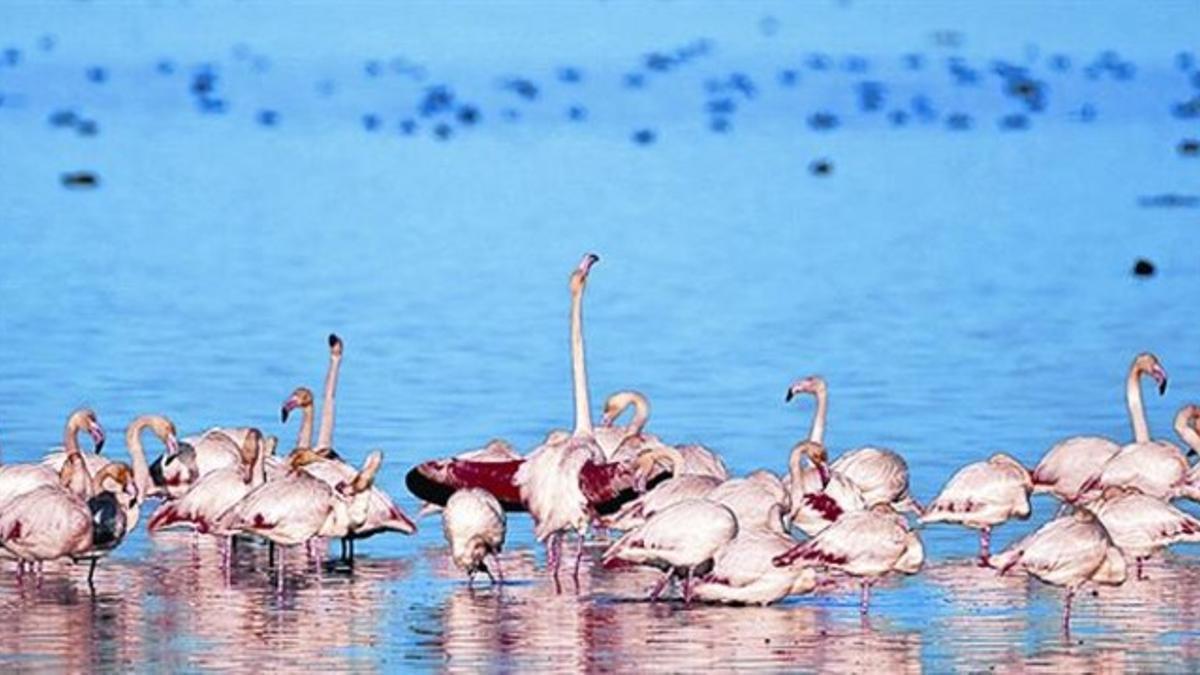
column 881, row 475
column 697, row 459
column 474, row 525
column 19, row 479
column 743, row 572
column 1073, row 463
column 549, row 478
column 819, row 495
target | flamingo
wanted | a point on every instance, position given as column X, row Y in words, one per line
column 162, row 428
column 549, row 479
column 1141, row 525
column 195, row 457
column 215, row 493
column 325, row 433
column 1068, row 551
column 299, row 507
column 752, row 498
column 698, row 460
column 1189, row 433
column 679, row 487
column 881, row 475
column 474, row 526
column 981, row 496
column 18, row 479
column 301, row 398
column 743, row 573
column 1071, row 464
column 819, row 495
column 496, row 452
column 1155, row 468
column 867, row 544
column 679, row 540
column 79, row 519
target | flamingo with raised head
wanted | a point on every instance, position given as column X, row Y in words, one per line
column 1071, row 464
column 679, row 487
column 867, row 544
column 981, row 496
column 1068, row 551
column 743, row 571
column 1153, row 467
column 633, row 439
column 549, row 480
column 1141, row 525
column 162, row 428
column 881, row 475
column 325, row 432
column 680, row 540
column 302, row 399
column 474, row 526
column 819, row 495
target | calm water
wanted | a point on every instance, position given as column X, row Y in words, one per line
column 962, row 291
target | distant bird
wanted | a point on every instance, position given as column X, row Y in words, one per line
column 1141, row 525
column 678, row 540
column 1068, row 466
column 474, row 526
column 866, row 544
column 1068, row 551
column 981, row 496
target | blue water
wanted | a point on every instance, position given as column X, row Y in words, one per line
column 963, row 291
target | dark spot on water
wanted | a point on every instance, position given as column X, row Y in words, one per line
column 240, row 51
column 1086, row 113
column 12, row 56
column 720, row 125
column 958, row 121
column 212, row 106
column 370, row 122
column 923, row 108
column 570, row 75
column 373, row 68
column 1187, row 110
column 510, row 114
column 788, row 77
column 721, row 106
column 62, row 118
column 855, row 64
column 267, row 117
column 820, row 167
column 644, row 137
column 437, row 99
column 962, row 73
column 1143, row 268
column 1014, row 122
column 1189, row 147
column 408, row 127
column 898, row 118
column 203, row 82
column 870, row 96
column 522, row 87
column 468, row 115
column 1060, row 62
column 442, row 131
column 326, row 88
column 96, row 74
column 164, row 67
column 1168, row 200
column 87, row 128
column 633, row 81
column 80, row 180
column 817, row 61
column 577, row 113
column 822, row 120
column 47, row 43
column 768, row 25
column 913, row 61
column 1185, row 61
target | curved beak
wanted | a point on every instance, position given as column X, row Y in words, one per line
column 288, row 406
column 824, row 471
column 586, row 264
column 791, row 394
column 131, row 490
column 97, row 433
column 1160, row 376
column 607, row 419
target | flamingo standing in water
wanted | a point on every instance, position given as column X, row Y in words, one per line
column 679, row 540
column 1071, row 464
column 162, row 428
column 881, row 475
column 819, row 495
column 18, row 479
column 215, row 493
column 867, row 544
column 1155, row 468
column 474, row 526
column 1141, row 525
column 1068, row 551
column 549, row 479
column 981, row 496
column 743, row 571
column 679, row 487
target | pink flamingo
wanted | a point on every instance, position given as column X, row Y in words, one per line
column 753, row 498
column 18, row 479
column 981, row 496
column 474, row 526
column 633, row 439
column 867, row 544
column 301, row 398
column 1141, row 525
column 1071, row 464
column 681, row 486
column 819, row 495
column 743, row 571
column 1155, row 468
column 1068, row 551
column 215, row 493
column 678, row 540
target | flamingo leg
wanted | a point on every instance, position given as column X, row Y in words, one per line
column 554, row 553
column 92, row 576
column 471, row 580
column 499, row 570
column 687, row 588
column 658, row 588
column 351, row 545
column 1140, row 575
column 270, row 554
column 491, row 578
column 1067, row 611
column 578, row 561
column 985, row 545
column 279, row 573
column 865, row 601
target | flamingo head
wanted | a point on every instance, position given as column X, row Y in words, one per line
column 335, row 345
column 302, row 457
column 813, row 384
column 251, row 446
column 164, row 430
column 579, row 276
column 816, row 453
column 85, row 419
column 301, row 398
column 1148, row 364
column 117, row 478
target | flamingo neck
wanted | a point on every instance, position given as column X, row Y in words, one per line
column 325, row 433
column 258, row 470
column 71, row 437
column 137, row 454
column 817, row 433
column 641, row 414
column 1187, row 432
column 583, row 416
column 1137, row 411
column 304, row 437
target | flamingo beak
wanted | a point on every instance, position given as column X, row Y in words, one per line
column 607, row 419
column 1160, row 376
column 791, row 394
column 586, row 264
column 288, row 406
column 97, row 434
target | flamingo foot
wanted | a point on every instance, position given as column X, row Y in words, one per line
column 865, row 601
column 658, row 587
column 578, row 562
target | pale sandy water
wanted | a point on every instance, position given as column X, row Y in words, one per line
column 962, row 291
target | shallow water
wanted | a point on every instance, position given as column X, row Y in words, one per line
column 962, row 291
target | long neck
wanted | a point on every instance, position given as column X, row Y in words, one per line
column 1186, row 432
column 325, row 433
column 817, row 433
column 258, row 471
column 795, row 465
column 641, row 414
column 133, row 441
column 304, row 436
column 1137, row 412
column 583, row 416
column 70, row 437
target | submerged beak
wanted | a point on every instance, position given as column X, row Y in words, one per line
column 97, row 434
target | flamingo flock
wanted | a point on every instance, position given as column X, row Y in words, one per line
column 723, row 538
